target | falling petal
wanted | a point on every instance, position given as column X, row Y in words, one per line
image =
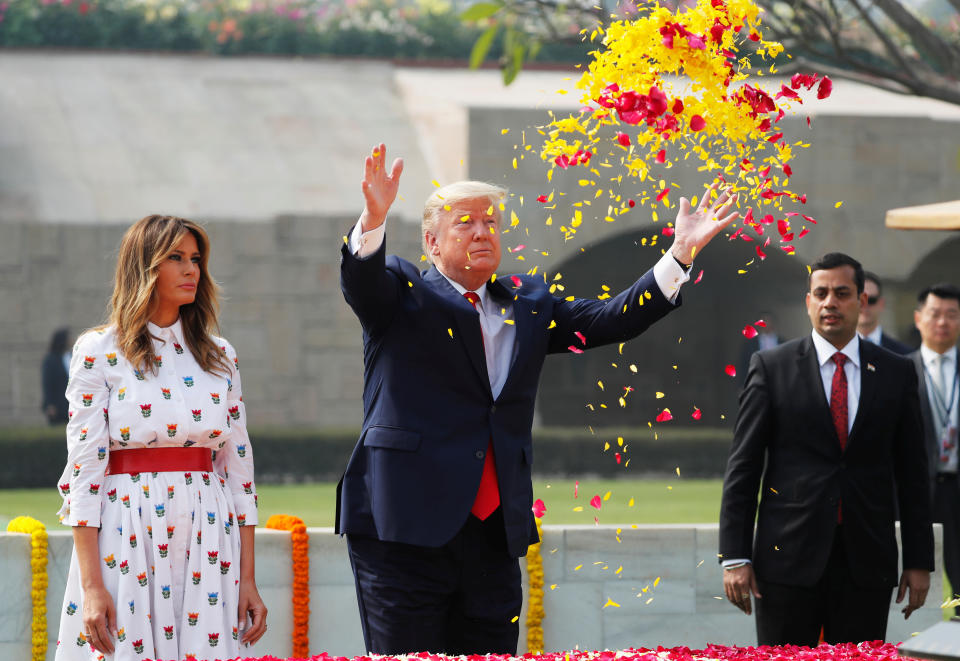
column 581, row 337
column 697, row 414
column 749, row 332
column 610, row 602
column 825, row 88
column 595, row 502
column 699, row 277
column 664, row 416
column 697, row 123
column 730, row 370
column 539, row 508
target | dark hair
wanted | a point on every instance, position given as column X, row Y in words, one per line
column 875, row 279
column 940, row 290
column 834, row 260
column 58, row 341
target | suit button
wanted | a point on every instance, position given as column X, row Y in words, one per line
column 479, row 454
column 493, row 409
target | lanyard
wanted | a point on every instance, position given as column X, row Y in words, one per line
column 943, row 409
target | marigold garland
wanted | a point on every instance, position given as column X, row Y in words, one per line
column 535, row 610
column 38, row 588
column 299, row 549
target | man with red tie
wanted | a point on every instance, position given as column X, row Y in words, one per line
column 436, row 498
column 832, row 425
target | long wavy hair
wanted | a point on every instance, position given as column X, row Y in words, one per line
column 143, row 249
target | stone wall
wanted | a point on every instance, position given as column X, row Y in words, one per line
column 589, row 601
column 299, row 344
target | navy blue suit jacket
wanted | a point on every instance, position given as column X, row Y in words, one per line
column 429, row 412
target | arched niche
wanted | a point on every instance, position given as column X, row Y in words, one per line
column 700, row 338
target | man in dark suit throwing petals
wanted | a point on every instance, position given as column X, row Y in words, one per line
column 436, row 498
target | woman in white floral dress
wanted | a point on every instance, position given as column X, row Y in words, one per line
column 159, row 479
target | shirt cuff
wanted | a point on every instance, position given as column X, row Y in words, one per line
column 82, row 512
column 363, row 244
column 246, row 507
column 736, row 561
column 669, row 276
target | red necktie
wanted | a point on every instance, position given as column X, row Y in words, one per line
column 488, row 495
column 838, row 409
column 838, row 399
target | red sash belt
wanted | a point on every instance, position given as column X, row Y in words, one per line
column 159, row 460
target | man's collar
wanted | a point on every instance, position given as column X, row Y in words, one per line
column 481, row 291
column 875, row 336
column 825, row 350
column 929, row 355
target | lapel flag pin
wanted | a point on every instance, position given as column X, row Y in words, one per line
column 871, row 368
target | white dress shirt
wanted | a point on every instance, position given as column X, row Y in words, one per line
column 875, row 336
column 947, row 399
column 499, row 337
column 825, row 352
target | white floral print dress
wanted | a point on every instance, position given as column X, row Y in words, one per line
column 169, row 545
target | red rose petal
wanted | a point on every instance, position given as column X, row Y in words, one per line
column 631, row 203
column 749, row 332
column 623, row 139
column 664, row 416
column 595, row 502
column 581, row 337
column 761, row 323
column 730, row 370
column 574, row 349
column 697, row 414
column 662, row 194
column 661, row 156
column 668, row 231
column 825, row 88
column 697, row 123
column 699, row 277
column 539, row 508
column 542, row 198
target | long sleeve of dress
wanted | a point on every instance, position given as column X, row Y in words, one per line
column 235, row 458
column 87, row 434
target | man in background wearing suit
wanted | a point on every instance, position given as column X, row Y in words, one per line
column 937, row 317
column 832, row 425
column 868, row 324
column 436, row 498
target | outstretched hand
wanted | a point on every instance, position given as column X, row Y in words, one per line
column 695, row 228
column 379, row 188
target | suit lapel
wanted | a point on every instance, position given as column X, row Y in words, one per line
column 868, row 385
column 467, row 329
column 809, row 368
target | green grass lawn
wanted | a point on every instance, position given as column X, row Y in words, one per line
column 654, row 501
column 635, row 501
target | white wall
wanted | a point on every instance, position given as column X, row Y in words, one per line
column 683, row 609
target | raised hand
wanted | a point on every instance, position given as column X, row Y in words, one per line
column 379, row 188
column 695, row 228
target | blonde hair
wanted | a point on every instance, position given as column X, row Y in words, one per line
column 443, row 198
column 143, row 249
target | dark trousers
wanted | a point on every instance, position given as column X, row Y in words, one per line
column 459, row 599
column 946, row 510
column 794, row 615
